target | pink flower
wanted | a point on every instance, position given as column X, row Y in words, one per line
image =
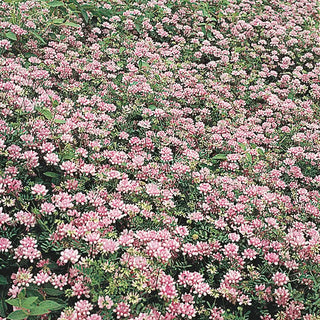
column 231, row 250
column 109, row 245
column 71, row 255
column 5, row 245
column 152, row 189
column 69, row 167
column 280, row 279
column 122, row 310
column 105, row 302
column 27, row 250
column 204, row 187
column 39, row 189
column 83, row 308
column 47, row 208
column 166, row 154
column 51, row 158
column 22, row 278
column 281, row 296
column 168, row 291
column 272, row 258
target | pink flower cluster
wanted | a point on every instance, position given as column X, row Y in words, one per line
column 161, row 159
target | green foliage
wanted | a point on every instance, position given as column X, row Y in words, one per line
column 31, row 306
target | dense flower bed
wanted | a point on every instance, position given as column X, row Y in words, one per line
column 159, row 159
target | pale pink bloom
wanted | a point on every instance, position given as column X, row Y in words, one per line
column 280, row 279
column 69, row 167
column 152, row 189
column 168, row 291
column 122, row 310
column 71, row 255
column 51, row 158
column 205, row 187
column 109, row 245
column 231, row 250
column 105, row 302
column 41, row 278
column 25, row 218
column 272, row 258
column 83, row 308
column 5, row 245
column 282, row 296
column 47, row 208
column 39, row 189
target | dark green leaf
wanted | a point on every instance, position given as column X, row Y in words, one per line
column 10, row 35
column 38, row 311
column 52, row 174
column 53, row 292
column 38, row 37
column 249, row 157
column 46, row 113
column 260, row 151
column 3, row 280
column 26, row 303
column 59, row 121
column 84, row 15
column 58, row 21
column 13, row 302
column 68, row 155
column 17, row 315
column 72, row 24
column 33, row 292
column 55, row 4
column 220, row 156
column 51, row 305
column 243, row 146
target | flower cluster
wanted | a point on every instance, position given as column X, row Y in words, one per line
column 160, row 159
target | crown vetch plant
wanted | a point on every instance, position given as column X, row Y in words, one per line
column 159, row 160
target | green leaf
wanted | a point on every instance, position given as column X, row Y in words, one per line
column 38, row 311
column 17, row 315
column 243, row 146
column 84, row 15
column 121, row 49
column 220, row 156
column 22, row 294
column 72, row 24
column 51, row 305
column 46, row 113
column 52, row 174
column 58, row 21
column 54, row 4
column 33, row 292
column 12, row 36
column 68, row 153
column 14, row 302
column 53, row 292
column 26, row 303
column 249, row 157
column 54, row 103
column 3, row 308
column 143, row 64
column 138, row 27
column 152, row 107
column 38, row 37
column 3, row 280
column 260, row 151
column 119, row 78
column 59, row 121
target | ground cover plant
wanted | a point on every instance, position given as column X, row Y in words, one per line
column 159, row 159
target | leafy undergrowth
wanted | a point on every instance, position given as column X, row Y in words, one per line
column 159, row 159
